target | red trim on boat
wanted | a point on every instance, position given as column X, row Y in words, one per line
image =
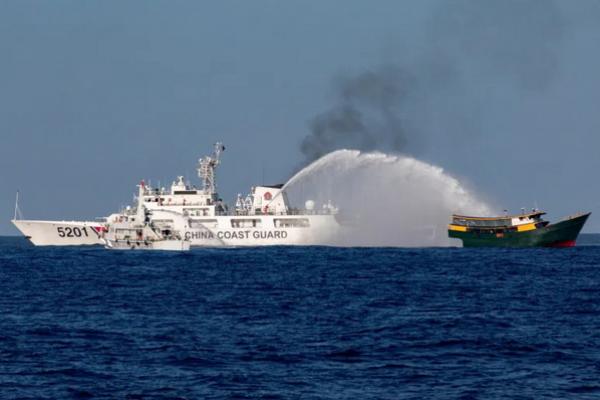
column 566, row 243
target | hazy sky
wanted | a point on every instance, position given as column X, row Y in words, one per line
column 95, row 96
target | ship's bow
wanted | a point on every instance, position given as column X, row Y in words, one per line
column 564, row 233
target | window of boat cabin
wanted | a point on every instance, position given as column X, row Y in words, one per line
column 531, row 217
column 291, row 222
column 245, row 222
column 196, row 212
column 482, row 223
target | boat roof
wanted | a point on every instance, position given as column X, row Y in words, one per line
column 526, row 215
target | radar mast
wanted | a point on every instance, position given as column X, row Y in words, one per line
column 206, row 169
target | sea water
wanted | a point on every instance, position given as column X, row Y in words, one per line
column 300, row 322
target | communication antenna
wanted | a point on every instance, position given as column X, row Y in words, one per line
column 207, row 166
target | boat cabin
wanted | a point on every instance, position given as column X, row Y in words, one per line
column 520, row 223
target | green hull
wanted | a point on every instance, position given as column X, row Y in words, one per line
column 561, row 234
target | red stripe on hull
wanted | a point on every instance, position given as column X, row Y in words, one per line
column 566, row 243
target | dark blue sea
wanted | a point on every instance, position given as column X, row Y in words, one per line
column 300, row 323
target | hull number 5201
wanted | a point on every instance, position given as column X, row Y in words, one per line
column 71, row 232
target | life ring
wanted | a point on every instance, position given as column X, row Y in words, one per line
column 268, row 196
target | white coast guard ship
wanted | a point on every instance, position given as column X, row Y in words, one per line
column 198, row 215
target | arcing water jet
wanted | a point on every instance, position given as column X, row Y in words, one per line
column 385, row 200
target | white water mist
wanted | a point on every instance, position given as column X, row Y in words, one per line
column 385, row 200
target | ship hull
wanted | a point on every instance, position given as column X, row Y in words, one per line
column 60, row 233
column 560, row 234
column 218, row 231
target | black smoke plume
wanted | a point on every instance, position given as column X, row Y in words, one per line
column 368, row 116
column 471, row 48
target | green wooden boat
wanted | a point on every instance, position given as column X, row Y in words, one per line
column 523, row 230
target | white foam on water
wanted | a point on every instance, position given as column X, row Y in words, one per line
column 385, row 200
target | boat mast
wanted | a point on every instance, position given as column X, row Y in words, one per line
column 207, row 167
column 18, row 214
